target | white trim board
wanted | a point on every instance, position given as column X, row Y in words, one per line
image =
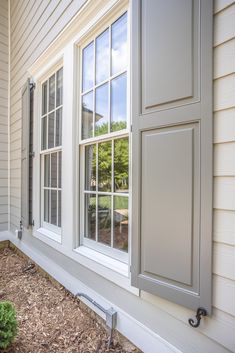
column 136, row 332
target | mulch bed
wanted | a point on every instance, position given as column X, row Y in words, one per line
column 50, row 318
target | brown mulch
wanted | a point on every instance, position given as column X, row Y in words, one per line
column 50, row 318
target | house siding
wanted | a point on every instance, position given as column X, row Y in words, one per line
column 34, row 25
column 3, row 115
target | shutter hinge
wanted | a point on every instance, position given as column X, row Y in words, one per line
column 32, row 85
column 31, row 154
column 32, row 223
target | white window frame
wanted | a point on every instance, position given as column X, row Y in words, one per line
column 110, row 136
column 64, row 51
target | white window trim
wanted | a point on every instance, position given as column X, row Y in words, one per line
column 63, row 51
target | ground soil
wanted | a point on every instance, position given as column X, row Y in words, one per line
column 50, row 318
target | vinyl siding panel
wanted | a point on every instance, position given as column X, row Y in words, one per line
column 3, row 114
column 34, row 25
column 224, row 161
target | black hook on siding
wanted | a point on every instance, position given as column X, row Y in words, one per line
column 200, row 312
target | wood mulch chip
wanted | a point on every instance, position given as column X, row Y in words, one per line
column 50, row 318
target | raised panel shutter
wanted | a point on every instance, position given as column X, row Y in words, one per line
column 172, row 149
column 26, row 154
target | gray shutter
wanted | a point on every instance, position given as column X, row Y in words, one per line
column 26, row 160
column 172, row 149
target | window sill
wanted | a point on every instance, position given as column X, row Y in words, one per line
column 43, row 233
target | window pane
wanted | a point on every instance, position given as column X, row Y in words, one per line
column 87, row 115
column 59, row 87
column 121, row 165
column 59, row 168
column 90, row 216
column 104, row 166
column 53, row 207
column 44, row 133
column 118, row 103
column 54, row 170
column 101, row 110
column 104, row 219
column 51, row 93
column 58, row 137
column 90, row 171
column 47, row 170
column 102, row 57
column 46, row 205
column 44, row 98
column 88, row 67
column 120, row 220
column 51, row 130
column 59, row 208
column 119, row 45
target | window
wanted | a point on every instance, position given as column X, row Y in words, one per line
column 104, row 141
column 51, row 151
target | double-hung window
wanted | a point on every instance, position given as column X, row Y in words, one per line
column 104, row 141
column 51, row 151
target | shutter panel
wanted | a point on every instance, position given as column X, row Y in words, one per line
column 26, row 161
column 172, row 149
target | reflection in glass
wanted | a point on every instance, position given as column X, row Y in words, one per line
column 47, row 170
column 51, row 129
column 52, row 93
column 120, row 220
column 54, row 170
column 46, row 205
column 101, row 110
column 121, row 165
column 119, row 45
column 44, row 98
column 90, row 169
column 104, row 166
column 88, row 67
column 102, row 57
column 90, row 216
column 53, row 207
column 87, row 115
column 118, row 103
column 44, row 133
column 104, row 219
column 59, row 87
column 59, row 208
column 59, row 168
column 58, row 137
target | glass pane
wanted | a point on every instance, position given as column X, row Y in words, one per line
column 44, row 133
column 53, row 207
column 102, row 57
column 46, row 205
column 51, row 93
column 90, row 162
column 121, row 165
column 120, row 223
column 101, row 110
column 87, row 115
column 104, row 166
column 118, row 103
column 59, row 168
column 44, row 98
column 119, row 45
column 104, row 219
column 51, row 130
column 90, row 216
column 88, row 67
column 58, row 137
column 47, row 170
column 59, row 208
column 54, row 170
column 59, row 87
